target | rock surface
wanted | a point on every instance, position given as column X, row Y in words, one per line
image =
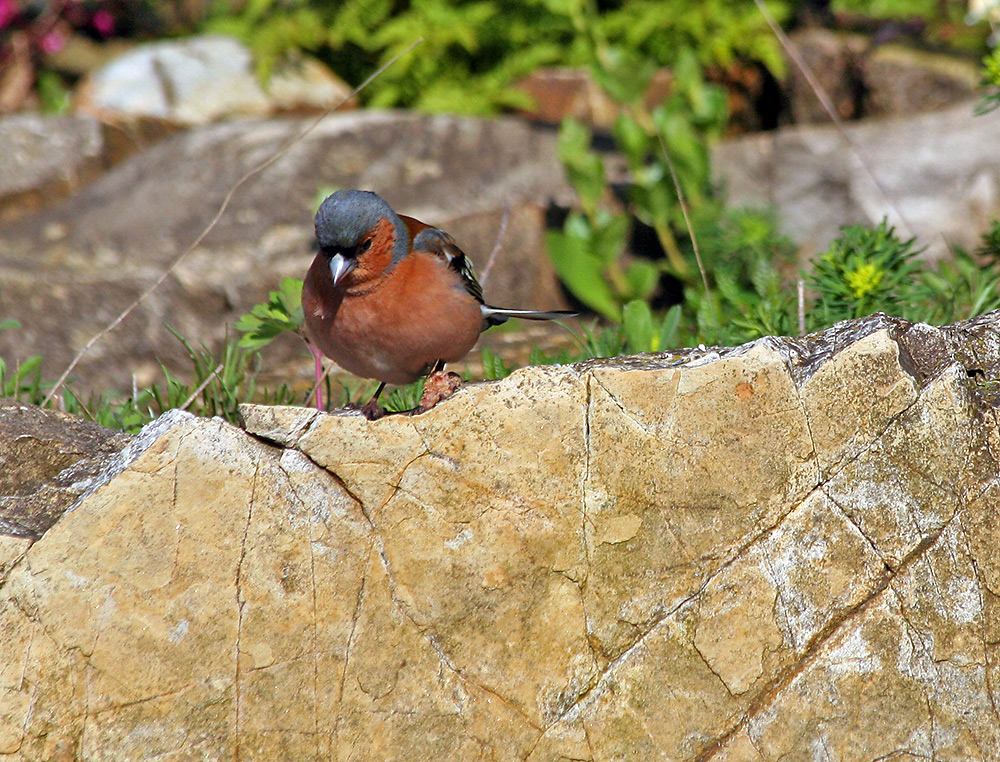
column 756, row 554
column 940, row 172
column 47, row 460
column 198, row 80
column 46, row 155
column 68, row 271
column 863, row 78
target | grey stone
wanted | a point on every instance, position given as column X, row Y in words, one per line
column 41, row 151
column 940, row 173
column 833, row 61
column 900, row 80
column 864, row 79
column 202, row 79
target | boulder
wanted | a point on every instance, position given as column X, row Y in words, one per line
column 47, row 460
column 69, row 270
column 900, row 80
column 865, row 79
column 739, row 554
column 940, row 173
column 833, row 60
column 44, row 157
column 198, row 80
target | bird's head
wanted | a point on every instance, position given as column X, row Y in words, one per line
column 352, row 226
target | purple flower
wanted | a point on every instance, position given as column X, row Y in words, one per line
column 8, row 10
column 103, row 22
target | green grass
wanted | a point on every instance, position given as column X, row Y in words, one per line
column 865, row 270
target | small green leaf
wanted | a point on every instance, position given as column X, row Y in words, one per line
column 637, row 323
column 493, row 365
column 583, row 167
column 582, row 274
column 668, row 328
column 632, row 140
column 642, row 278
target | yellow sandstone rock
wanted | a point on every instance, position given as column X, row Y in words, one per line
column 784, row 551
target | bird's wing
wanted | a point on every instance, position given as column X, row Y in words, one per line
column 440, row 244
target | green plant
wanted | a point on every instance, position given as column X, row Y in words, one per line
column 475, row 52
column 991, row 83
column 589, row 252
column 749, row 264
column 219, row 383
column 274, row 29
column 281, row 312
column 24, row 381
column 864, row 271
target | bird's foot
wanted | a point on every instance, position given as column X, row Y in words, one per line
column 372, row 410
column 439, row 386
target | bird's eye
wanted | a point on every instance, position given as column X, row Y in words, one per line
column 364, row 246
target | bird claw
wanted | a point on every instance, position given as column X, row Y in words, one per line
column 372, row 410
column 439, row 386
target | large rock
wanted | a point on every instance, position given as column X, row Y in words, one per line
column 67, row 272
column 45, row 156
column 940, row 173
column 47, row 460
column 199, row 80
column 863, row 78
column 834, row 61
column 754, row 554
column 900, row 80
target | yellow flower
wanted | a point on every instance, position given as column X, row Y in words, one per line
column 863, row 280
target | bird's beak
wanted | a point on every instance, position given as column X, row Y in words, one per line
column 340, row 266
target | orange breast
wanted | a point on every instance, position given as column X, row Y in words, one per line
column 395, row 328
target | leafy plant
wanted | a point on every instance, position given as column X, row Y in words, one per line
column 991, row 82
column 475, row 52
column 220, row 382
column 864, row 271
column 25, row 379
column 282, row 312
column 589, row 253
column 274, row 29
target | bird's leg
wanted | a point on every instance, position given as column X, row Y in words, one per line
column 372, row 410
column 318, row 356
column 439, row 386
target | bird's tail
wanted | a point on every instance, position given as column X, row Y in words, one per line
column 498, row 315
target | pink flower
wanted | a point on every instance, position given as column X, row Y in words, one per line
column 53, row 42
column 103, row 22
column 8, row 10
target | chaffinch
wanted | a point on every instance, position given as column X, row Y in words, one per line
column 391, row 298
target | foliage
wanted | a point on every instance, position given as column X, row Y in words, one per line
column 589, row 252
column 475, row 51
column 281, row 312
column 24, row 379
column 863, row 271
column 273, row 28
column 991, row 82
column 926, row 9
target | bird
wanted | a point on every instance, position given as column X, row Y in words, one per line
column 391, row 298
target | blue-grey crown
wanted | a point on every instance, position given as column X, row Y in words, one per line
column 347, row 215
